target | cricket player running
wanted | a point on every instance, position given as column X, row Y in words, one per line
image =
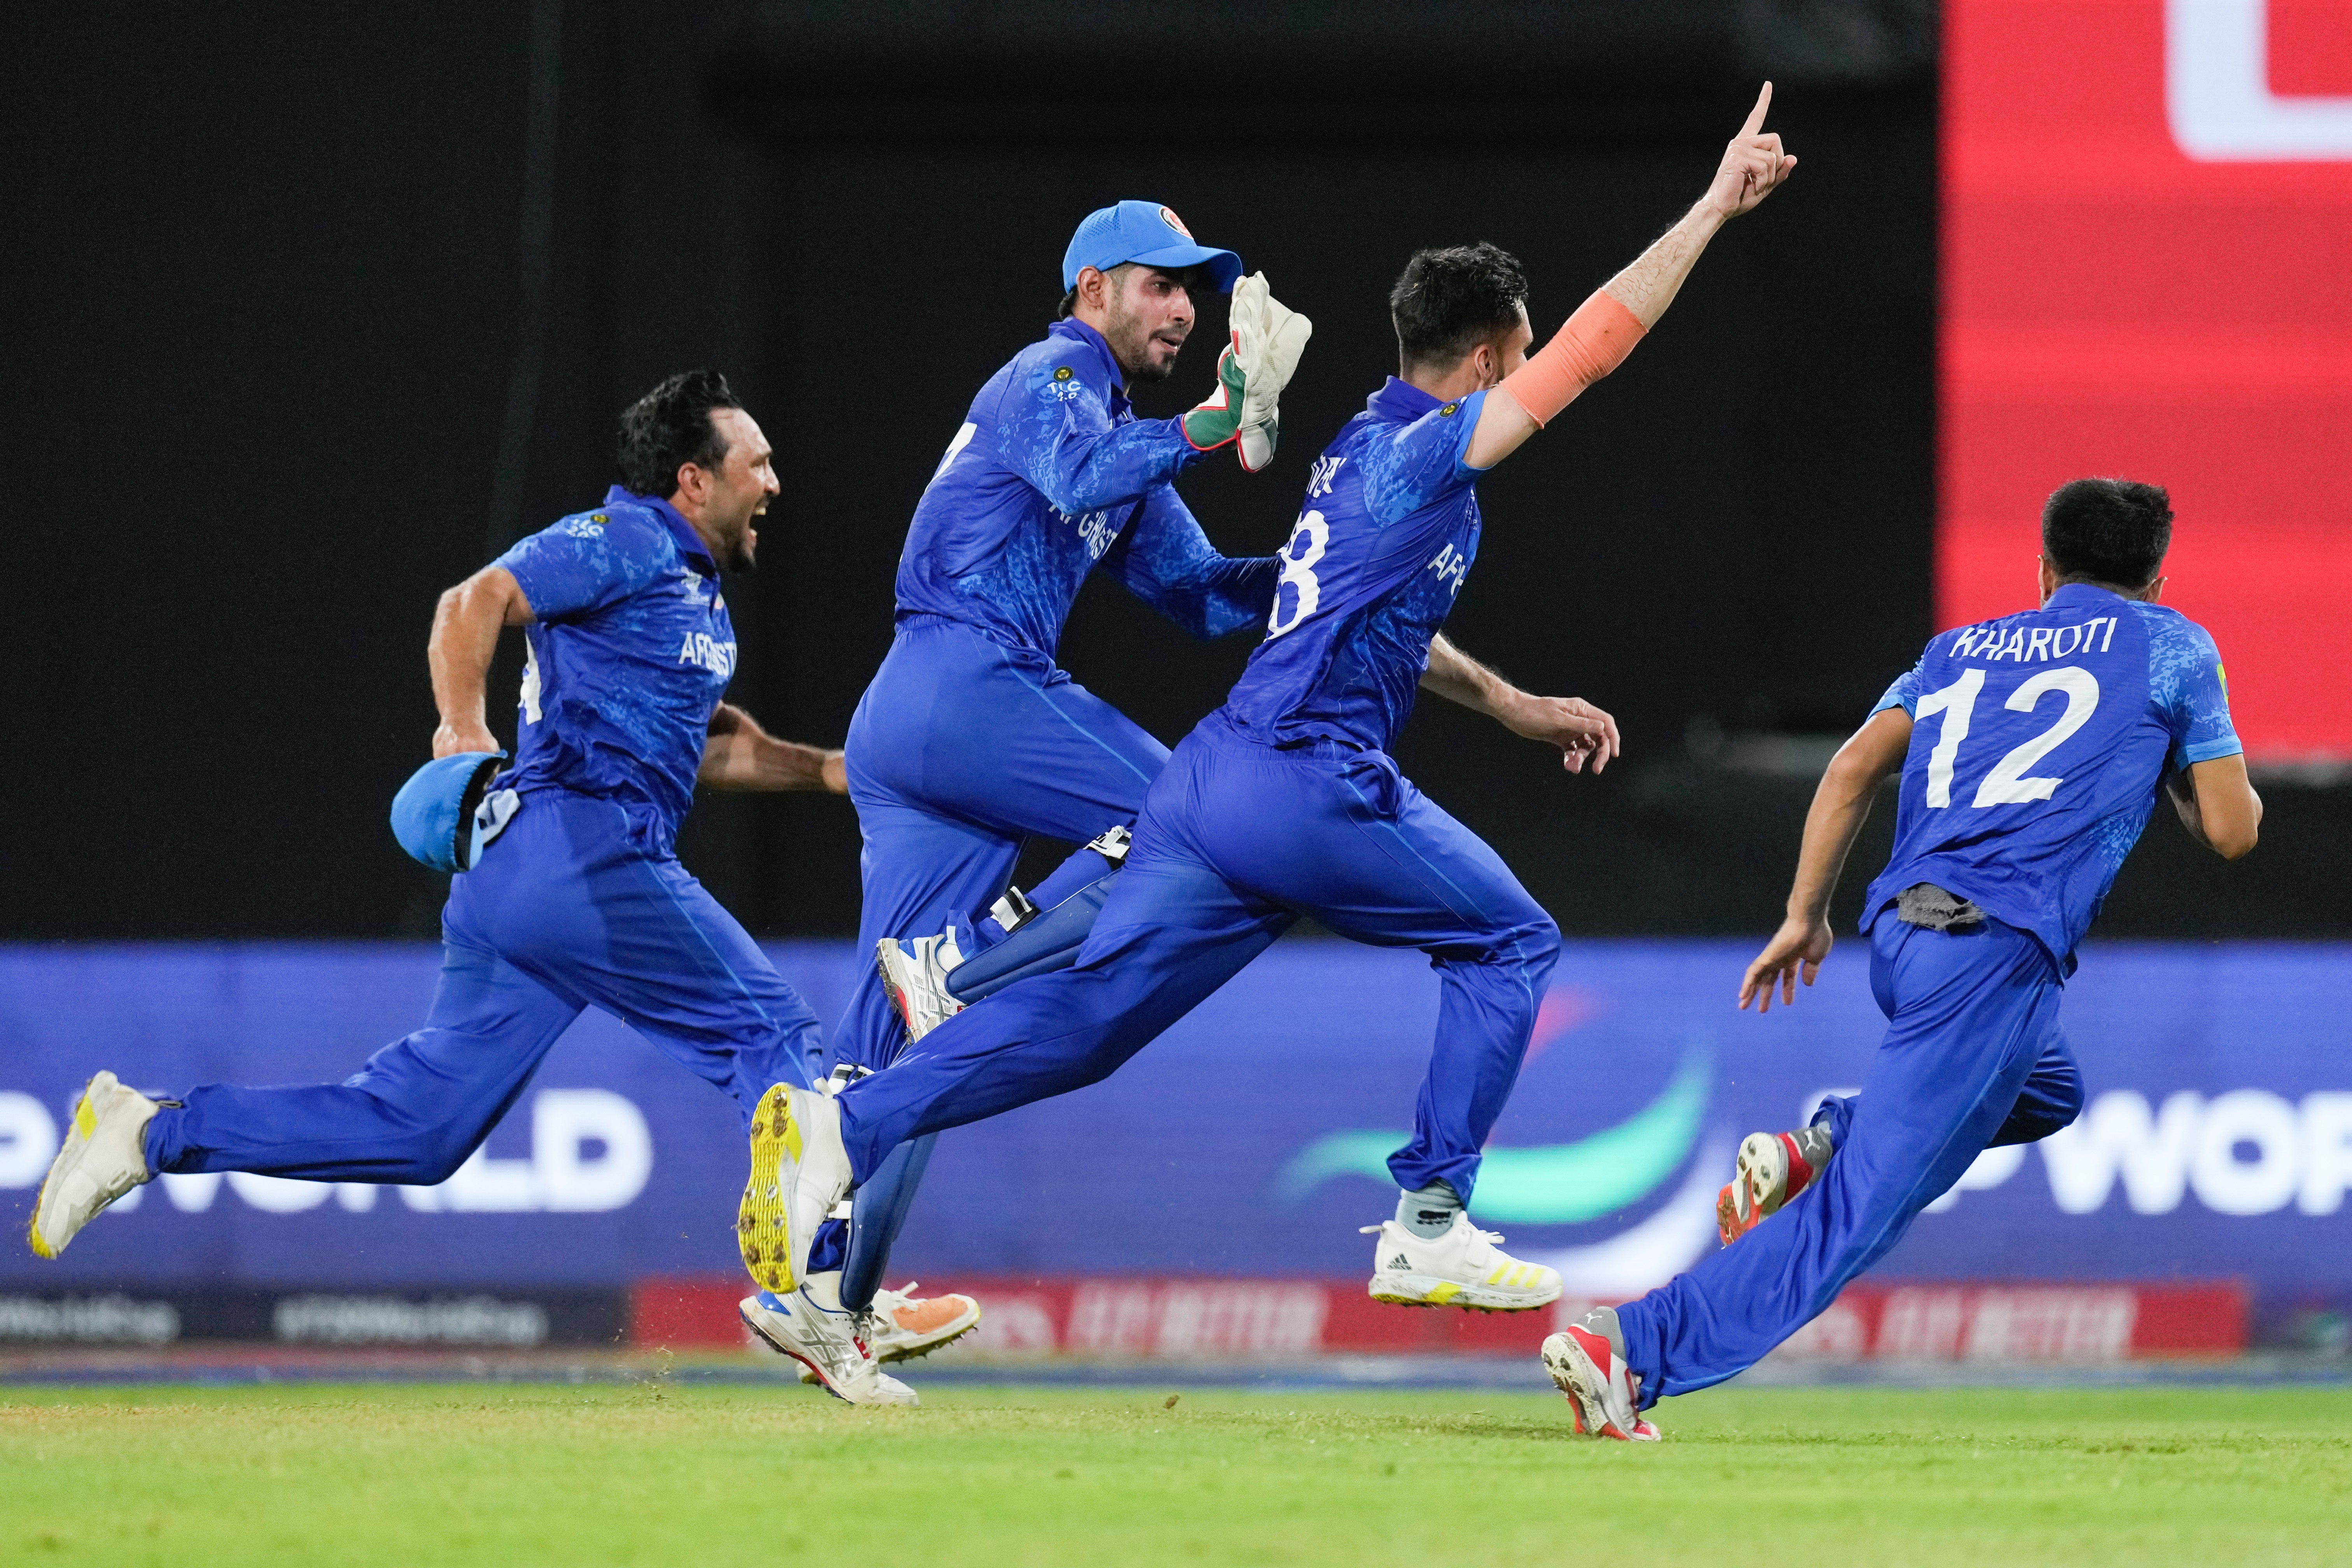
column 970, row 738
column 1286, row 803
column 2032, row 750
column 569, row 895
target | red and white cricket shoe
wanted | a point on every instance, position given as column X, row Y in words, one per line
column 915, row 975
column 1590, row 1372
column 1773, row 1168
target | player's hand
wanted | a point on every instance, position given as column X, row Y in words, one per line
column 1583, row 732
column 1752, row 166
column 1799, row 945
column 456, row 740
column 1267, row 337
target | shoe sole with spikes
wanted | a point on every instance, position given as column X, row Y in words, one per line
column 1585, row 1385
column 772, row 1245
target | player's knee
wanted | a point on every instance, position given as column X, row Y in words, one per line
column 1535, row 947
column 2066, row 1101
column 2054, row 1108
column 438, row 1152
column 2049, row 1103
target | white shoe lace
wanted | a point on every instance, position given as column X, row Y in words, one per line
column 1489, row 1237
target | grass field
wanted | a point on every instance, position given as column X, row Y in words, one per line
column 666, row 1474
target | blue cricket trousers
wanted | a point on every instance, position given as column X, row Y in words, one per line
column 1972, row 1057
column 1236, row 841
column 566, row 910
column 959, row 750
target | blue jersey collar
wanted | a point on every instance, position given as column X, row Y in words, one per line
column 689, row 543
column 1074, row 330
column 1401, row 400
column 2068, row 595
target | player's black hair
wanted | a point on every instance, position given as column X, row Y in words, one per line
column 671, row 426
column 1446, row 303
column 2114, row 531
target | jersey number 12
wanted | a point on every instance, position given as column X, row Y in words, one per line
column 2006, row 785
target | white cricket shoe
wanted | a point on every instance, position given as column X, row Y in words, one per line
column 798, row 1171
column 915, row 973
column 828, row 1344
column 104, row 1157
column 904, row 1325
column 907, row 1325
column 1461, row 1269
column 1589, row 1371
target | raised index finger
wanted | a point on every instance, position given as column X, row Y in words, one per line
column 1756, row 115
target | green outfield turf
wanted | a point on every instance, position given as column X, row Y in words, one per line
column 656, row 1474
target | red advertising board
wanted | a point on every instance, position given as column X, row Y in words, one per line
column 1219, row 1320
column 2147, row 271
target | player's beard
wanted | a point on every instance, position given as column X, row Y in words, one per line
column 1131, row 344
column 740, row 546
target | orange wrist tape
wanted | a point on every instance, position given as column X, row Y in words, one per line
column 1595, row 341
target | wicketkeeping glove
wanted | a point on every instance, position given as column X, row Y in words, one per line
column 1267, row 337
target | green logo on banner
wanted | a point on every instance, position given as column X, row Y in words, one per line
column 1555, row 1183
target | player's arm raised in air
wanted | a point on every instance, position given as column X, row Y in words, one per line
column 1605, row 327
column 1841, row 805
column 2217, row 803
column 740, row 755
column 465, row 627
column 1583, row 732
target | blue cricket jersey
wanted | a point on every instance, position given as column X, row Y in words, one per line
column 629, row 652
column 1387, row 536
column 2040, row 741
column 1051, row 473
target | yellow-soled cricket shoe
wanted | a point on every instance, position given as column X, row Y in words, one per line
column 1462, row 1267
column 799, row 1171
column 104, row 1156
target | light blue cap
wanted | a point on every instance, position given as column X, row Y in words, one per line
column 441, row 816
column 1145, row 232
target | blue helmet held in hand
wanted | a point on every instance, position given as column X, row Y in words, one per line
column 442, row 815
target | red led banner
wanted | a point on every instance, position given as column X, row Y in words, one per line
column 2147, row 271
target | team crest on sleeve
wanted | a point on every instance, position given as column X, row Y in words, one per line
column 1063, row 374
column 1168, row 215
column 1449, row 410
